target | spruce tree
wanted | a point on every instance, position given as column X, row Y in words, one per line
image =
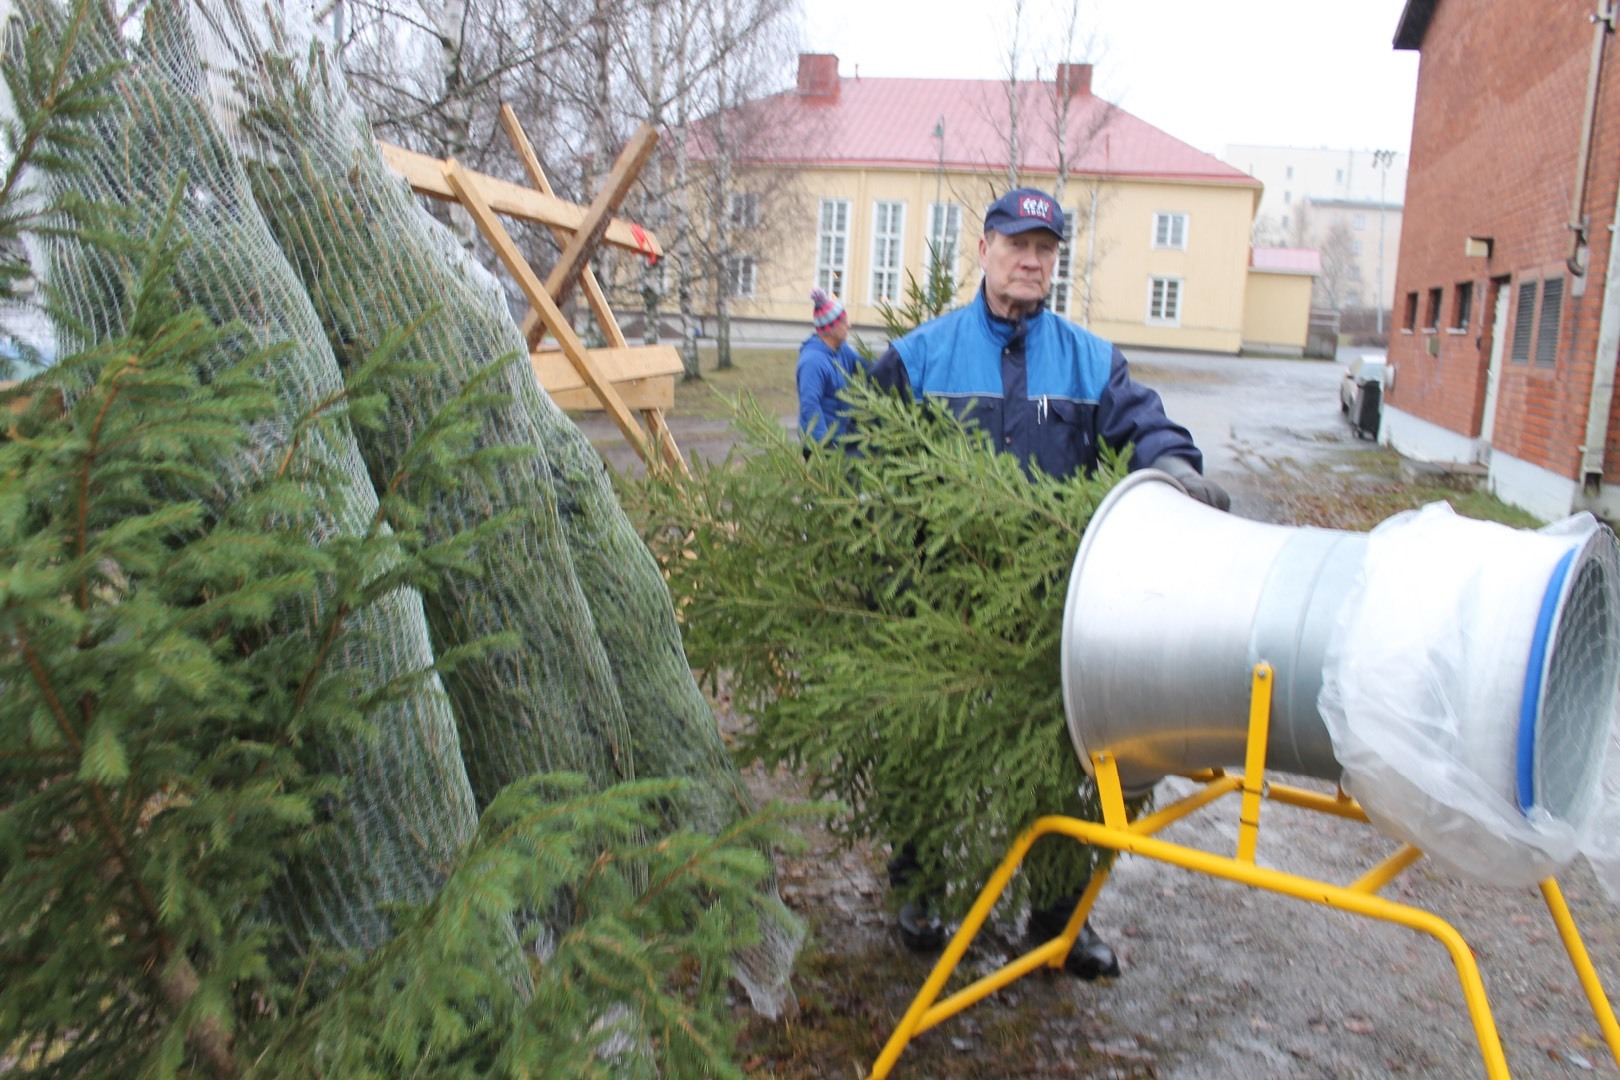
column 891, row 620
column 161, row 731
column 576, row 583
column 155, row 786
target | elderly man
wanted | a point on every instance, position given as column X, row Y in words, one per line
column 1052, row 393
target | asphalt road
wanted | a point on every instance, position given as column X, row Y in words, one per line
column 1250, row 415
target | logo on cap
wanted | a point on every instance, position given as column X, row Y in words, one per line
column 1033, row 206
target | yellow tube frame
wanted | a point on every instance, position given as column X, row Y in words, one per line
column 1122, row 835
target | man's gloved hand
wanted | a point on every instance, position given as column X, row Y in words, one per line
column 1198, row 486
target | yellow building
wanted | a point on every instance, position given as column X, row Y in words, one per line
column 883, row 167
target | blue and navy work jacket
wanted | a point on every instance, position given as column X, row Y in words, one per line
column 1041, row 387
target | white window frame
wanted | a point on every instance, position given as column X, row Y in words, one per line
column 1170, row 307
column 888, row 250
column 832, row 245
column 945, row 233
column 745, row 209
column 741, row 274
column 1166, row 223
column 1063, row 269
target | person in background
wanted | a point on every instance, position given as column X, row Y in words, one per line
column 1051, row 393
column 826, row 362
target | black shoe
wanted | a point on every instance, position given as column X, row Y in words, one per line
column 920, row 929
column 1091, row 958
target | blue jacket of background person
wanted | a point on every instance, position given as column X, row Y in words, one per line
column 1042, row 388
column 821, row 374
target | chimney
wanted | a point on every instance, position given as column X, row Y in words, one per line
column 1072, row 79
column 818, row 77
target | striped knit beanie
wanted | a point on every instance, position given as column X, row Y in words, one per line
column 828, row 309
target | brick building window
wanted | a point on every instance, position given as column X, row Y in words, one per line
column 1524, row 314
column 1462, row 305
column 1410, row 322
column 1431, row 315
column 1552, row 308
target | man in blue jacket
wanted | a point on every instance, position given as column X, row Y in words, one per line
column 825, row 364
column 1050, row 392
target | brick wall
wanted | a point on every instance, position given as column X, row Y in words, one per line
column 1495, row 140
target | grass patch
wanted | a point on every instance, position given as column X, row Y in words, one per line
column 1357, row 499
column 767, row 374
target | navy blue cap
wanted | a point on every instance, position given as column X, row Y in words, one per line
column 1023, row 209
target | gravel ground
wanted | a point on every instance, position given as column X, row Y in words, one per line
column 1219, row 980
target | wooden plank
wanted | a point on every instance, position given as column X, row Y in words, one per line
column 426, row 177
column 577, row 255
column 647, row 395
column 556, row 373
column 533, row 329
column 535, row 292
column 664, row 437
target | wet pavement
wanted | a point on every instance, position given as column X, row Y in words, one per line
column 1252, row 416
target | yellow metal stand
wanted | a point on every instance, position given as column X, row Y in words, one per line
column 1120, row 834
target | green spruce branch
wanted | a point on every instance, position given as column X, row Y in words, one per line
column 891, row 621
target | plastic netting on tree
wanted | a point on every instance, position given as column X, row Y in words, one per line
column 544, row 699
column 597, row 643
column 405, row 808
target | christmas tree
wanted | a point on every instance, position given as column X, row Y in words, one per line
column 190, row 582
column 891, row 619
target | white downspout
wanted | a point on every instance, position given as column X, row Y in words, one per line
column 1608, row 347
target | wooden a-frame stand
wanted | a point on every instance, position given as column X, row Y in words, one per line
column 1115, row 831
column 617, row 379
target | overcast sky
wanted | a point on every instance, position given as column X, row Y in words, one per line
column 1209, row 72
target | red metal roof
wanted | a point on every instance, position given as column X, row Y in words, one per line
column 891, row 122
column 1279, row 260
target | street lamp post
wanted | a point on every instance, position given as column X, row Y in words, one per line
column 1382, row 160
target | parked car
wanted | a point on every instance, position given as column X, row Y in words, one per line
column 1361, row 392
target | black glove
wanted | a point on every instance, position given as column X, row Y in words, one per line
column 1198, row 486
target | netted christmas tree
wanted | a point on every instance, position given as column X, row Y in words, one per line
column 891, row 620
column 577, row 581
column 545, row 699
column 152, row 158
column 188, row 599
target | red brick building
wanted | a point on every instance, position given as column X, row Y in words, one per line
column 1507, row 318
